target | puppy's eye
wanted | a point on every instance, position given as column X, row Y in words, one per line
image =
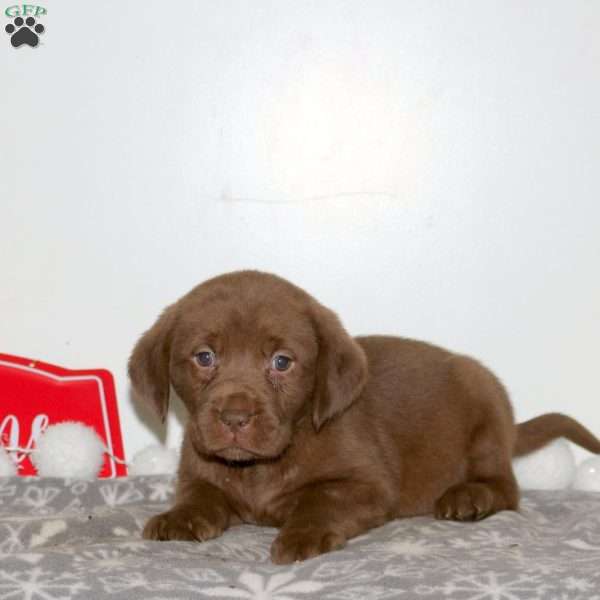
column 206, row 358
column 281, row 362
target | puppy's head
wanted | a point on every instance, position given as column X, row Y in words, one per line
column 249, row 354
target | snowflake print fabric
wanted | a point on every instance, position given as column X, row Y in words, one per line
column 74, row 539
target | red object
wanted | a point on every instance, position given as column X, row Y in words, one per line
column 34, row 394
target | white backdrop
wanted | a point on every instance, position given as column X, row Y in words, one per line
column 429, row 169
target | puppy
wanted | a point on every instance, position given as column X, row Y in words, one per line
column 295, row 424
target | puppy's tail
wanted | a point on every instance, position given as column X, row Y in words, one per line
column 537, row 432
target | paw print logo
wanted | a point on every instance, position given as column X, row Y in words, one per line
column 24, row 32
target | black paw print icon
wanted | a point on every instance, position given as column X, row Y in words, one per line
column 24, row 32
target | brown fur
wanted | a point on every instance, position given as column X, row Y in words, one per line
column 357, row 432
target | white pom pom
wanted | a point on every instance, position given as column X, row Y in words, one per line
column 68, row 449
column 550, row 468
column 8, row 468
column 587, row 476
column 154, row 460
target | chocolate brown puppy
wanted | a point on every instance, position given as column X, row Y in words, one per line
column 294, row 423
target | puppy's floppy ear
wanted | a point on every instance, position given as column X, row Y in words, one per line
column 149, row 363
column 341, row 367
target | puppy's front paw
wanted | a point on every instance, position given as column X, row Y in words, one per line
column 466, row 502
column 299, row 544
column 181, row 524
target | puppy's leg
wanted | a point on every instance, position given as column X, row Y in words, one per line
column 490, row 485
column 202, row 512
column 325, row 516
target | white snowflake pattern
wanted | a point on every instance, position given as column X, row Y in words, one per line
column 161, row 490
column 29, row 557
column 104, row 560
column 115, row 584
column 120, row 492
column 186, row 579
column 79, row 487
column 461, row 543
column 494, row 586
column 38, row 499
column 372, row 592
column 75, row 506
column 579, row 585
column 195, row 575
column 401, row 570
column 276, row 587
column 348, row 573
column 585, row 596
column 329, row 568
column 36, row 584
column 580, row 544
column 11, row 537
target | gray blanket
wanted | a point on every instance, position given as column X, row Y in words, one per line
column 76, row 539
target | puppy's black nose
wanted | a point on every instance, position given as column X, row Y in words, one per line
column 235, row 419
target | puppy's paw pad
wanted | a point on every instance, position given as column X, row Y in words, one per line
column 465, row 502
column 296, row 545
column 177, row 525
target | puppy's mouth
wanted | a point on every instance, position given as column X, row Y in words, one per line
column 240, row 454
column 264, row 444
column 235, row 451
